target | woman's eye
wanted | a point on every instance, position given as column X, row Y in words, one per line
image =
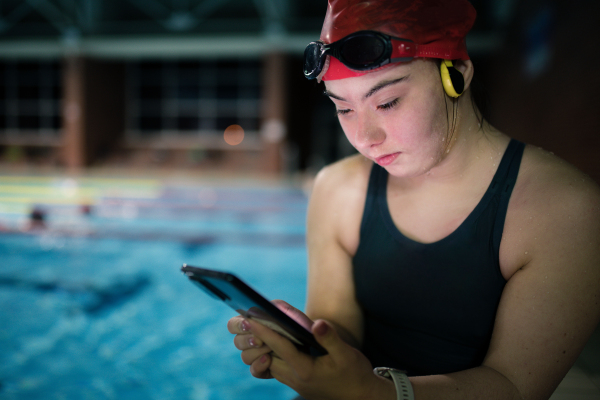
column 342, row 112
column 389, row 105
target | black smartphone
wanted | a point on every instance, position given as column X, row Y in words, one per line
column 242, row 298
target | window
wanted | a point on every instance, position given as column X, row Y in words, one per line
column 30, row 102
column 174, row 99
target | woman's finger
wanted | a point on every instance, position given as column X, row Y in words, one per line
column 260, row 368
column 238, row 325
column 251, row 355
column 281, row 371
column 281, row 346
column 247, row 341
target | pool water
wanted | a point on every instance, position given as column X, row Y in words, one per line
column 95, row 307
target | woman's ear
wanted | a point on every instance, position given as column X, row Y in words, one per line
column 466, row 69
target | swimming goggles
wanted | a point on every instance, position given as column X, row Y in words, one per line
column 361, row 51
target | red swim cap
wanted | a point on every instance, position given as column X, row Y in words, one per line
column 437, row 27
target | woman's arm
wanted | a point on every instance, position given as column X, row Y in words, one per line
column 334, row 216
column 551, row 305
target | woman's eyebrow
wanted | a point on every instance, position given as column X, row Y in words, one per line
column 373, row 90
column 328, row 93
column 384, row 84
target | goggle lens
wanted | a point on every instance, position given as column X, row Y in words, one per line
column 362, row 52
column 314, row 57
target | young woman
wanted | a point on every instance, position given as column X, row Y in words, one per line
column 467, row 262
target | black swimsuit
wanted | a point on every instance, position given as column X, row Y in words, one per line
column 430, row 308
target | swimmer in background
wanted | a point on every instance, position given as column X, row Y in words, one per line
column 37, row 220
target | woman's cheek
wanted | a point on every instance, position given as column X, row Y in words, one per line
column 349, row 131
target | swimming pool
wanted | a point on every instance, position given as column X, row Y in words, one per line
column 95, row 307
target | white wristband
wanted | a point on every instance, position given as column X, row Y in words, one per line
column 404, row 390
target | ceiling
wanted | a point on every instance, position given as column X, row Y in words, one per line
column 145, row 28
column 22, row 18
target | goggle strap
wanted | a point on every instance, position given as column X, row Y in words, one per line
column 324, row 69
column 401, row 59
column 437, row 51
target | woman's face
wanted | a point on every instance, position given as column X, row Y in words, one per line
column 396, row 117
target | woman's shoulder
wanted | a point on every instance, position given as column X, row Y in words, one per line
column 551, row 180
column 338, row 198
column 553, row 215
column 352, row 169
column 339, row 179
column 554, row 201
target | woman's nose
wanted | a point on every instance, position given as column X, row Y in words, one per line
column 369, row 133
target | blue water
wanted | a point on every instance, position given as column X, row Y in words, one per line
column 95, row 307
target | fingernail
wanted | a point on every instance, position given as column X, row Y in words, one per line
column 263, row 359
column 252, row 342
column 322, row 329
column 245, row 326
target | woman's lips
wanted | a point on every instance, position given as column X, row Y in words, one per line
column 387, row 159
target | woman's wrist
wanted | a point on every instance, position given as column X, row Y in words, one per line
column 381, row 389
column 402, row 384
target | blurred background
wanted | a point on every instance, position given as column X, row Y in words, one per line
column 136, row 135
column 155, row 83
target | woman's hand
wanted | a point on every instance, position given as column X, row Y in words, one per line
column 254, row 352
column 344, row 373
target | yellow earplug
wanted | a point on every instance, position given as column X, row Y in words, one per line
column 449, row 76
